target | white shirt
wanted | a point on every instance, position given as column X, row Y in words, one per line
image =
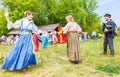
column 72, row 26
column 23, row 23
column 93, row 33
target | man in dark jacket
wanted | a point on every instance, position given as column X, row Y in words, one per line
column 108, row 29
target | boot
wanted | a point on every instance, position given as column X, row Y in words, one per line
column 112, row 52
column 105, row 52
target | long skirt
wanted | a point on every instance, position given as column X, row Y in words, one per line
column 73, row 50
column 44, row 42
column 61, row 38
column 21, row 54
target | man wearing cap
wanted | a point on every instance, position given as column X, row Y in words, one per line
column 108, row 29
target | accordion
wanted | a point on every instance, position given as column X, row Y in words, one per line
column 107, row 25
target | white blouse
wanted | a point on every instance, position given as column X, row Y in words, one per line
column 72, row 26
column 23, row 23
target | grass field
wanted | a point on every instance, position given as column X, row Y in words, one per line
column 53, row 62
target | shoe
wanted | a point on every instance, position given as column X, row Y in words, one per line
column 76, row 62
column 24, row 70
column 28, row 67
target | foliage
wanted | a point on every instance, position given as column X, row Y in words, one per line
column 3, row 27
column 1, row 59
column 18, row 7
column 110, row 68
column 118, row 30
column 55, row 11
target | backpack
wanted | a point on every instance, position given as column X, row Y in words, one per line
column 116, row 30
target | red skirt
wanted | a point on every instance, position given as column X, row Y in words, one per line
column 35, row 41
column 61, row 38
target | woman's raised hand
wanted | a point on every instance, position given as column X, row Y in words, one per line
column 6, row 14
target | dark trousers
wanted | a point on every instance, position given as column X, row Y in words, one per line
column 108, row 41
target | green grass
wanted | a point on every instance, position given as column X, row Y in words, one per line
column 53, row 62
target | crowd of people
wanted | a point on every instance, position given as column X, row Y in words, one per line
column 21, row 56
column 54, row 37
column 8, row 40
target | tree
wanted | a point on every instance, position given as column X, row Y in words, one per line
column 18, row 7
column 93, row 20
column 3, row 27
column 55, row 11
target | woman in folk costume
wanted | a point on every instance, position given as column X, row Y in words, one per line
column 59, row 34
column 45, row 39
column 21, row 56
column 73, row 50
